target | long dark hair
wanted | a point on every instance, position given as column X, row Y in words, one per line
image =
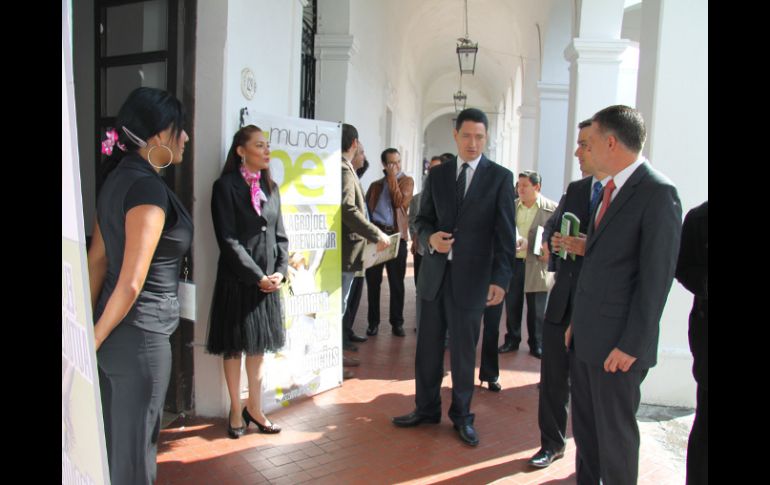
column 145, row 112
column 233, row 161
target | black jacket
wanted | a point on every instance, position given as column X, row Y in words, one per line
column 251, row 246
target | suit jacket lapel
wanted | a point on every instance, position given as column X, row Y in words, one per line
column 627, row 191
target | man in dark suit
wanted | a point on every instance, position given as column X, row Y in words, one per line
column 580, row 199
column 628, row 269
column 466, row 224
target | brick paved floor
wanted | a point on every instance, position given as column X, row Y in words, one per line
column 345, row 435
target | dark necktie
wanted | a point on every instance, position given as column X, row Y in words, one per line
column 608, row 190
column 460, row 188
column 595, row 196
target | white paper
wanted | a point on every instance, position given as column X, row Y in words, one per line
column 372, row 257
column 187, row 300
column 538, row 241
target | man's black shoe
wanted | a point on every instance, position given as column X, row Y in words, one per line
column 467, row 434
column 399, row 331
column 413, row 419
column 357, row 338
column 537, row 352
column 494, row 385
column 544, row 458
column 372, row 330
column 507, row 347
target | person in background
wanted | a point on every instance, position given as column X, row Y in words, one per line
column 581, row 199
column 246, row 315
column 692, row 271
column 417, row 250
column 531, row 278
column 361, row 165
column 141, row 234
column 388, row 200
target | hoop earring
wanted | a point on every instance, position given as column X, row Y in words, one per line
column 149, row 158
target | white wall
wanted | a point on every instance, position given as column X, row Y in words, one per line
column 380, row 76
column 264, row 36
column 673, row 98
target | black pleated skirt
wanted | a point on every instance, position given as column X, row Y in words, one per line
column 244, row 319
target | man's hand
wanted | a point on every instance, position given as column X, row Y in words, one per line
column 391, row 169
column 495, row 295
column 544, row 253
column 383, row 242
column 568, row 336
column 556, row 241
column 618, row 360
column 521, row 244
column 415, row 246
column 575, row 245
column 441, row 241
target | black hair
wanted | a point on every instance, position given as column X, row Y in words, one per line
column 533, row 177
column 233, row 160
column 584, row 124
column 145, row 113
column 623, row 122
column 384, row 155
column 445, row 157
column 349, row 134
column 472, row 114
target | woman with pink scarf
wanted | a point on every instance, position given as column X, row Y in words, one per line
column 246, row 308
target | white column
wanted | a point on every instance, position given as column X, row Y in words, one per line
column 527, row 135
column 333, row 54
column 554, row 105
column 210, row 67
column 673, row 98
column 594, row 83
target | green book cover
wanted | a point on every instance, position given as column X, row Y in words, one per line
column 570, row 226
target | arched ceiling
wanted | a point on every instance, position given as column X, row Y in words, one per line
column 504, row 29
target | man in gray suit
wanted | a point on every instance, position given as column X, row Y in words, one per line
column 466, row 223
column 628, row 268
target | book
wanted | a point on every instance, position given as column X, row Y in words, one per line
column 372, row 257
column 570, row 226
column 538, row 249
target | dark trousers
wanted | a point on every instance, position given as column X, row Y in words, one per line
column 490, row 366
column 698, row 446
column 354, row 299
column 554, row 387
column 134, row 372
column 604, row 407
column 417, row 261
column 396, row 271
column 464, row 325
column 514, row 307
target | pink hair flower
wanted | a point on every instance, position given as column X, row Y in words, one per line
column 111, row 141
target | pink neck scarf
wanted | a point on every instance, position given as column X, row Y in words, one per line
column 256, row 191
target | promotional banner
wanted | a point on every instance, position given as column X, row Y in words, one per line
column 83, row 451
column 305, row 163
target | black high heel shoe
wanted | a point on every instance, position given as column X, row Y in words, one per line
column 235, row 433
column 272, row 429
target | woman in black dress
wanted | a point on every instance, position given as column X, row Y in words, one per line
column 141, row 234
column 246, row 308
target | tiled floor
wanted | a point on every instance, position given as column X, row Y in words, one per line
column 345, row 435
